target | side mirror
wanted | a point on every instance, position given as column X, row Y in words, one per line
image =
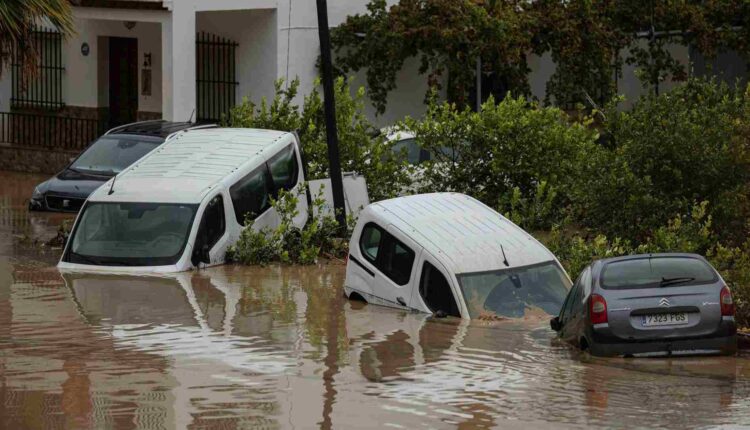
column 554, row 324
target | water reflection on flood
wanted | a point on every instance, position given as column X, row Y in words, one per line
column 275, row 347
column 237, row 347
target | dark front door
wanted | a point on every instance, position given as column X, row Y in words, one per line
column 123, row 80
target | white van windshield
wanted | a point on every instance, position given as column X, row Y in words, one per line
column 131, row 234
column 515, row 291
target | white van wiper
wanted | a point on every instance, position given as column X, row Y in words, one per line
column 673, row 281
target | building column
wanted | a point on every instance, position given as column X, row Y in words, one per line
column 178, row 63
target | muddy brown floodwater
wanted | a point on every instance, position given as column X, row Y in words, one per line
column 279, row 347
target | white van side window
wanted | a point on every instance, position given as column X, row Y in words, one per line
column 394, row 259
column 284, row 169
column 251, row 195
column 369, row 243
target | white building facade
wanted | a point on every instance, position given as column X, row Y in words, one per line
column 178, row 54
column 132, row 60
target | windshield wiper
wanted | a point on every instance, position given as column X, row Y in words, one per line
column 673, row 281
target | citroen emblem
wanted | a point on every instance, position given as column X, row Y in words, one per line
column 664, row 302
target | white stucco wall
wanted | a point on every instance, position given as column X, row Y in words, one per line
column 81, row 83
column 632, row 88
column 256, row 33
column 298, row 30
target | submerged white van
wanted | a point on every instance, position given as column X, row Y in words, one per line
column 448, row 253
column 185, row 203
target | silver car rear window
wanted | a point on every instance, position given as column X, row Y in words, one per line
column 650, row 272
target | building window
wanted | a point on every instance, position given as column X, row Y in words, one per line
column 216, row 76
column 40, row 85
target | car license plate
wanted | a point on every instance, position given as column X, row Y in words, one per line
column 664, row 319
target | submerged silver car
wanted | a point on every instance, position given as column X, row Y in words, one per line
column 655, row 304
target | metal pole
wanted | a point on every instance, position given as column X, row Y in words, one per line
column 334, row 165
column 479, row 83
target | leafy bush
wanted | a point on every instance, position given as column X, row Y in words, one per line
column 669, row 151
column 361, row 148
column 286, row 243
column 505, row 155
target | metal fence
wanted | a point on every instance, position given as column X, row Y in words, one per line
column 216, row 76
column 41, row 86
column 48, row 131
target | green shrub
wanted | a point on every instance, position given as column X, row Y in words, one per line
column 505, row 155
column 361, row 148
column 671, row 150
column 536, row 212
column 288, row 244
column 734, row 266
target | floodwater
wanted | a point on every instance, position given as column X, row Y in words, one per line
column 279, row 347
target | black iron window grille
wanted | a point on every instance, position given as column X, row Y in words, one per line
column 216, row 76
column 42, row 85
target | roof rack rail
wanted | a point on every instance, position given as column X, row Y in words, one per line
column 185, row 130
column 124, row 126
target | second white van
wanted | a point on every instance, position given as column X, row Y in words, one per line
column 185, row 203
column 449, row 254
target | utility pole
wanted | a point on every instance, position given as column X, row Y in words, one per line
column 334, row 164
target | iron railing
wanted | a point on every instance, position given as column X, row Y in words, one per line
column 216, row 76
column 48, row 131
column 42, row 86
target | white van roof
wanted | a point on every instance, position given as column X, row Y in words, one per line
column 188, row 165
column 462, row 232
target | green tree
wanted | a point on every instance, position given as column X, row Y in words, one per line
column 588, row 40
column 18, row 19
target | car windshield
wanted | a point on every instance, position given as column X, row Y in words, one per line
column 415, row 154
column 113, row 153
column 653, row 272
column 131, row 234
column 515, row 292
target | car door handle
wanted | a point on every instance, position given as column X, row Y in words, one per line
column 401, row 301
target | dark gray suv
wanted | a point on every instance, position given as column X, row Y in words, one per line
column 105, row 157
column 654, row 304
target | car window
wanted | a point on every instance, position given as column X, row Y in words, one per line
column 571, row 298
column 408, row 148
column 284, row 169
column 649, row 272
column 577, row 302
column 391, row 257
column 111, row 154
column 131, row 234
column 396, row 260
column 212, row 225
column 369, row 242
column 514, row 291
column 251, row 195
column 436, row 291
